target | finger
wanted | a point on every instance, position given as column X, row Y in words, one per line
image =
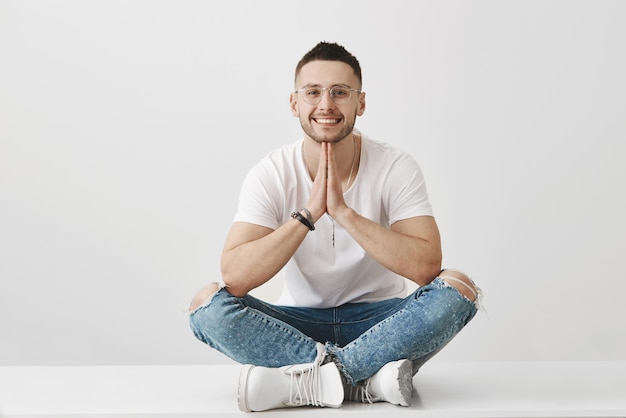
column 332, row 164
column 334, row 197
column 333, row 177
column 317, row 200
column 323, row 163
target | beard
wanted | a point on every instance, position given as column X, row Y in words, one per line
column 319, row 138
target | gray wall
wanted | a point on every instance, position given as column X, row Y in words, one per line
column 126, row 128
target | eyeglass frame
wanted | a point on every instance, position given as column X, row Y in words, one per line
column 328, row 89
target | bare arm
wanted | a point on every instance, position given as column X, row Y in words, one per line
column 253, row 254
column 411, row 248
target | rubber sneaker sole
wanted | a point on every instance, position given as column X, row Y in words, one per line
column 242, row 386
column 405, row 382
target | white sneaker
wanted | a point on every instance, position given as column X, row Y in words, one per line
column 393, row 383
column 263, row 388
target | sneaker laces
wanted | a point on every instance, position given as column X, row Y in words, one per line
column 305, row 386
column 361, row 393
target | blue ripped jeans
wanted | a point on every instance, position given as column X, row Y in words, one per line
column 361, row 336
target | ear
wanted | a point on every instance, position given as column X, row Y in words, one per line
column 361, row 108
column 293, row 104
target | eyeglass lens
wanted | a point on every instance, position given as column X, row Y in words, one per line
column 339, row 95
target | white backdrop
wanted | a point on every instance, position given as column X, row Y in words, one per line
column 126, row 128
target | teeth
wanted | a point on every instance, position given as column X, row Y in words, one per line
column 327, row 120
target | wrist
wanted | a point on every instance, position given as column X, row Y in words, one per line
column 342, row 217
column 307, row 214
column 314, row 211
column 304, row 216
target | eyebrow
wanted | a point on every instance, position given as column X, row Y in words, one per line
column 319, row 85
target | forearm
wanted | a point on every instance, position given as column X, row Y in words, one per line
column 418, row 258
column 251, row 264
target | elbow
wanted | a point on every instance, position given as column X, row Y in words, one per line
column 432, row 272
column 426, row 271
column 236, row 292
column 432, row 269
column 232, row 282
column 234, row 289
column 425, row 276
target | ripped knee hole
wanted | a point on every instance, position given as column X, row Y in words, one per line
column 461, row 282
column 203, row 294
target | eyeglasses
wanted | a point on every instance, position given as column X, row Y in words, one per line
column 338, row 94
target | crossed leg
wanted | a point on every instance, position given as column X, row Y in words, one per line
column 454, row 278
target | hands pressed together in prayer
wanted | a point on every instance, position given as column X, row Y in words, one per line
column 327, row 192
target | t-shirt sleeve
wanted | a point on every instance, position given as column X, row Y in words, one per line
column 257, row 198
column 406, row 195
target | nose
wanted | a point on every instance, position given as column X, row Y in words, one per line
column 325, row 100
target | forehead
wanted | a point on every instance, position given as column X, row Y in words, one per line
column 326, row 73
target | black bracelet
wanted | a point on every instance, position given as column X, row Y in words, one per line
column 308, row 216
column 305, row 221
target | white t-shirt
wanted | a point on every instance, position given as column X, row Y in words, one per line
column 388, row 187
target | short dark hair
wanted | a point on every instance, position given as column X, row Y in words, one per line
column 327, row 51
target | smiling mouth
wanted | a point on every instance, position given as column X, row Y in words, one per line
column 327, row 121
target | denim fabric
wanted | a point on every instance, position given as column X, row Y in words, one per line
column 360, row 337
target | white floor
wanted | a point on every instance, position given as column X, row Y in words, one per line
column 559, row 389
